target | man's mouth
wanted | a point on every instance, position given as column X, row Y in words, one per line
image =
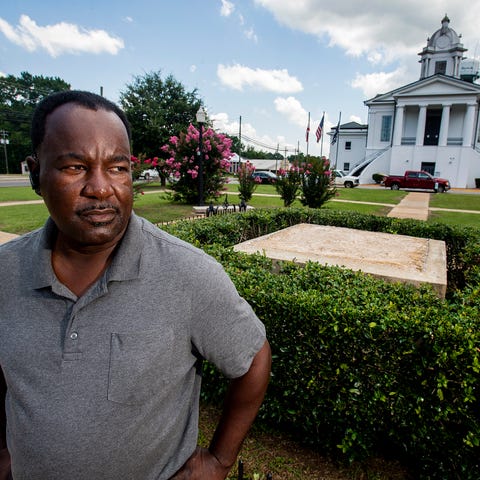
column 99, row 214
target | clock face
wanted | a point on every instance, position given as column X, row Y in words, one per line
column 443, row 41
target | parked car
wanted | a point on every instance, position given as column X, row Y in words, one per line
column 264, row 176
column 417, row 179
column 348, row 181
column 149, row 173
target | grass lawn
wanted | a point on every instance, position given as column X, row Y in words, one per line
column 157, row 207
column 17, row 194
column 458, row 201
column 455, row 218
column 455, row 201
column 22, row 218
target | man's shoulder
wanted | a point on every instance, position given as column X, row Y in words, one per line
column 161, row 249
column 20, row 244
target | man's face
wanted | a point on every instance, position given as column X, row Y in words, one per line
column 85, row 177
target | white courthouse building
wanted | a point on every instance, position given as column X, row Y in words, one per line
column 432, row 124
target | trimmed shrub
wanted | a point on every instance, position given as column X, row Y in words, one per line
column 378, row 177
column 362, row 367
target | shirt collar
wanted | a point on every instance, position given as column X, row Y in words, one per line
column 125, row 264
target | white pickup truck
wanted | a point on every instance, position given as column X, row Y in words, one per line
column 348, row 181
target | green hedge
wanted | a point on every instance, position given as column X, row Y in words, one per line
column 362, row 367
column 462, row 244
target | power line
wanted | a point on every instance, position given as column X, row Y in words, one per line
column 263, row 145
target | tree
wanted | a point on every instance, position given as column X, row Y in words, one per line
column 182, row 164
column 288, row 184
column 247, row 184
column 316, row 183
column 18, row 99
column 157, row 109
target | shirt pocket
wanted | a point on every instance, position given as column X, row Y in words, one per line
column 140, row 363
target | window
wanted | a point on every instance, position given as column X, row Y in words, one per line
column 346, row 167
column 348, row 145
column 386, row 128
column 441, row 67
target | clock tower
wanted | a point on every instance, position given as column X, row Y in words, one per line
column 443, row 53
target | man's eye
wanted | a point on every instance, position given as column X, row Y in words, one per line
column 74, row 168
column 119, row 169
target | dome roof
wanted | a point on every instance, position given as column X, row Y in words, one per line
column 445, row 37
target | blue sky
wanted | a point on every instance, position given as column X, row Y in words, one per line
column 269, row 61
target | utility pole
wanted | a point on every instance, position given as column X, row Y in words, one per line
column 239, row 143
column 5, row 141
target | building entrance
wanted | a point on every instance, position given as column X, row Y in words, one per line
column 432, row 127
column 428, row 167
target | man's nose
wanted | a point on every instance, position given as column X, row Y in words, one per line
column 98, row 185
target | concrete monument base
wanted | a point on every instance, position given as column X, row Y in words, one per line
column 395, row 258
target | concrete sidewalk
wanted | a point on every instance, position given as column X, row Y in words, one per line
column 414, row 205
column 5, row 237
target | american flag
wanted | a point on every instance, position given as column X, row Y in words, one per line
column 319, row 131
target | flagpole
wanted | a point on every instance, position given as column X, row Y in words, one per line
column 321, row 138
column 337, row 142
column 307, row 135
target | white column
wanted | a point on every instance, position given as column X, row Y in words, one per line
column 398, row 127
column 442, row 141
column 468, row 122
column 422, row 116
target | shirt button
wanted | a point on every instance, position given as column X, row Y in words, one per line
column 74, row 335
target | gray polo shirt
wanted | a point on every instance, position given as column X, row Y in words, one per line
column 106, row 386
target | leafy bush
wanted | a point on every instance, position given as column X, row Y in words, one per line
column 246, row 183
column 362, row 367
column 288, row 184
column 378, row 177
column 317, row 183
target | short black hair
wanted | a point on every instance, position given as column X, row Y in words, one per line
column 88, row 100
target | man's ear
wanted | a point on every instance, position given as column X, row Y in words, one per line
column 34, row 169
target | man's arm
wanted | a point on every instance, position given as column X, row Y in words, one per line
column 244, row 397
column 4, row 455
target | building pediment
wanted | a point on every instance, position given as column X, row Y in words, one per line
column 432, row 86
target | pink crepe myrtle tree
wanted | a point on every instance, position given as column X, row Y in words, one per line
column 247, row 184
column 317, row 185
column 181, row 163
column 288, row 183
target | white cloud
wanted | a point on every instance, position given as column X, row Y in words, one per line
column 128, row 19
column 227, row 8
column 251, row 35
column 292, row 109
column 239, row 76
column 382, row 32
column 372, row 84
column 193, row 68
column 222, row 123
column 60, row 38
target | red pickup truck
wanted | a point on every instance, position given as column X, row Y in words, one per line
column 417, row 179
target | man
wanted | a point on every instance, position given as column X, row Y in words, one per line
column 105, row 320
